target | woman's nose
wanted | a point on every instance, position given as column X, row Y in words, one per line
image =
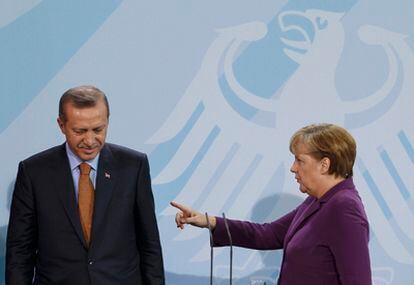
column 293, row 167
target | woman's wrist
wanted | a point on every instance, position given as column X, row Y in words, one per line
column 213, row 222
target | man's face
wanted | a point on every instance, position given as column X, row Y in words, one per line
column 85, row 129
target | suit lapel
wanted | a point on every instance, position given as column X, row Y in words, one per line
column 105, row 184
column 301, row 217
column 63, row 181
column 314, row 205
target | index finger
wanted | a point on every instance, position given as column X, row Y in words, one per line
column 180, row 207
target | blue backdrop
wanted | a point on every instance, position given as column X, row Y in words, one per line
column 212, row 91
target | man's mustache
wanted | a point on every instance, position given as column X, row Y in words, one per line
column 88, row 147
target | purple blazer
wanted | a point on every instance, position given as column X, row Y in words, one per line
column 324, row 241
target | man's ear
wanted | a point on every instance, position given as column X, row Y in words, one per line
column 61, row 125
column 325, row 164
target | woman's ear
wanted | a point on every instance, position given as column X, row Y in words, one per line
column 325, row 164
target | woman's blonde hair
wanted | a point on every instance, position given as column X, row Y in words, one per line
column 328, row 140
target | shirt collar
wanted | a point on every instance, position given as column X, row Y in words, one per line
column 347, row 183
column 74, row 160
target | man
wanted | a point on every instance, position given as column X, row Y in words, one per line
column 83, row 212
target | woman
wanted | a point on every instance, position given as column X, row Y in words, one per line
column 325, row 239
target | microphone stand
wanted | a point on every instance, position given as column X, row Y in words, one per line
column 231, row 247
column 211, row 249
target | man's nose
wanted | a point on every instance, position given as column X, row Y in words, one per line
column 89, row 138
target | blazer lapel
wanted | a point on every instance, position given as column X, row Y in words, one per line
column 63, row 181
column 105, row 183
column 300, row 218
column 314, row 205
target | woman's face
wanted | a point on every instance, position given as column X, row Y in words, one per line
column 308, row 170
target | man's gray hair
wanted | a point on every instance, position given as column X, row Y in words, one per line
column 82, row 97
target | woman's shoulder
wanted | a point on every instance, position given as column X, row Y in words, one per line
column 346, row 198
column 347, row 205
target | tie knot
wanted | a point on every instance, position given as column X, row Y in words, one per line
column 85, row 168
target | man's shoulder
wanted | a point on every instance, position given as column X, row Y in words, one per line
column 124, row 152
column 48, row 154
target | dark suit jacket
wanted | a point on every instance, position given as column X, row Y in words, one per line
column 324, row 241
column 45, row 232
